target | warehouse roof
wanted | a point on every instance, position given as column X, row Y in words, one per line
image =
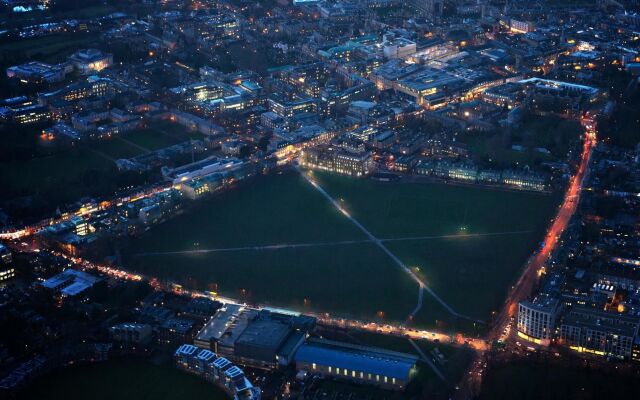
column 357, row 358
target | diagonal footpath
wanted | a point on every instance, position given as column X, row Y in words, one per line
column 428, row 361
column 421, row 285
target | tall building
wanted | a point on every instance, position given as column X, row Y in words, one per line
column 536, row 319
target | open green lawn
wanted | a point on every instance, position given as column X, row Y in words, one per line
column 52, row 48
column 42, row 174
column 352, row 279
column 472, row 273
column 61, row 175
column 121, row 380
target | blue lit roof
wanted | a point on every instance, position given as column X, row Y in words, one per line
column 356, row 358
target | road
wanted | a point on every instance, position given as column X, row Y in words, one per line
column 523, row 288
column 323, row 318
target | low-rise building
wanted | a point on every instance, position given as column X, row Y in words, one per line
column 369, row 365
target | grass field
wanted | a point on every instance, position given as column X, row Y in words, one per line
column 121, row 380
column 62, row 175
column 52, row 48
column 471, row 273
column 353, row 279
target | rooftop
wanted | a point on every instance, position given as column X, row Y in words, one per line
column 357, row 358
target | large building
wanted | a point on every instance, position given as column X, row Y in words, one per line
column 255, row 338
column 37, row 72
column 536, row 319
column 369, row 365
column 598, row 332
column 335, row 159
column 89, row 61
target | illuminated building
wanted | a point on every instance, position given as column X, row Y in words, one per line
column 338, row 160
column 598, row 332
column 426, row 83
column 464, row 171
column 7, row 272
column 367, row 365
column 536, row 319
column 200, row 169
column 518, row 26
column 89, row 61
column 195, row 189
column 37, row 72
column 82, row 90
column 262, row 339
column 524, row 180
column 200, row 92
column 398, row 48
column 31, row 114
column 288, row 108
column 5, row 254
column 216, row 369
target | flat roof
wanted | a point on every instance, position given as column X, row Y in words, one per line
column 357, row 358
column 218, row 324
column 266, row 333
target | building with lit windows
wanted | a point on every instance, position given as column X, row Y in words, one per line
column 398, row 48
column 536, row 319
column 519, row 26
column 524, row 180
column 340, row 160
column 603, row 333
column 7, row 272
column 89, row 61
column 255, row 338
column 216, row 369
column 37, row 72
column 195, row 189
column 365, row 365
column 287, row 108
column 33, row 114
column 5, row 255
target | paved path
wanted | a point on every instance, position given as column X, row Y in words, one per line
column 321, row 244
column 421, row 285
